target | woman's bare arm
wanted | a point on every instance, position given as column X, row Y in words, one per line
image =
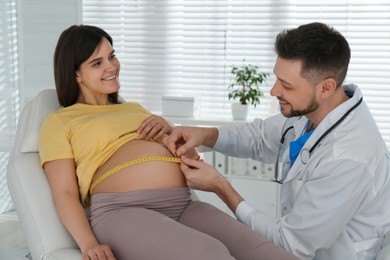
column 63, row 182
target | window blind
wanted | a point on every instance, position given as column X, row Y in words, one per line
column 366, row 25
column 183, row 47
column 8, row 94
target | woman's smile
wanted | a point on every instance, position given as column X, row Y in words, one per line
column 110, row 78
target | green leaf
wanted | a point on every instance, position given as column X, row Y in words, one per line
column 245, row 84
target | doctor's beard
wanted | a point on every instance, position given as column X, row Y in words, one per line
column 311, row 107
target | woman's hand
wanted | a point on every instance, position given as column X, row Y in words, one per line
column 154, row 127
column 98, row 252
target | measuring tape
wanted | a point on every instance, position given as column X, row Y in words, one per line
column 130, row 163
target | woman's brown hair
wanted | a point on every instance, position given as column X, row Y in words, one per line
column 75, row 45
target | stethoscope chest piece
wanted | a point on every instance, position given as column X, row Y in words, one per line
column 305, row 156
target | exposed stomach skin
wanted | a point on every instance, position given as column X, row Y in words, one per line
column 142, row 176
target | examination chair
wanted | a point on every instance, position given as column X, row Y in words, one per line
column 46, row 237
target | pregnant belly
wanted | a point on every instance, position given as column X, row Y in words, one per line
column 141, row 176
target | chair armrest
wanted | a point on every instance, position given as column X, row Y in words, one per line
column 63, row 254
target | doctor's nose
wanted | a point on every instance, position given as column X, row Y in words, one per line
column 275, row 90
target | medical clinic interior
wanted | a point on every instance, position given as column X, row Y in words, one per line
column 177, row 60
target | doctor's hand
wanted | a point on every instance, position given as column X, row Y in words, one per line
column 183, row 138
column 154, row 127
column 201, row 176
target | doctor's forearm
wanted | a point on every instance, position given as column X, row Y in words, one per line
column 229, row 195
column 210, row 136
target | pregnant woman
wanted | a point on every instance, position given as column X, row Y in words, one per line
column 105, row 154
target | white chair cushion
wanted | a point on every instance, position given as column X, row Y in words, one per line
column 29, row 188
column 39, row 110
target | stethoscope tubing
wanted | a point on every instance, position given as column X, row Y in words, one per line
column 335, row 125
column 305, row 153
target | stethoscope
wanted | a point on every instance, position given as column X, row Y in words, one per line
column 306, row 153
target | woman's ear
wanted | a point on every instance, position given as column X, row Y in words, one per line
column 78, row 78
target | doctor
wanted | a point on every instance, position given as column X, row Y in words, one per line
column 333, row 164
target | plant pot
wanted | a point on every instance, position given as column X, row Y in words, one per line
column 239, row 111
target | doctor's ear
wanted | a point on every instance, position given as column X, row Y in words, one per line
column 329, row 86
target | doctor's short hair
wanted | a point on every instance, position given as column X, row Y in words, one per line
column 323, row 51
column 76, row 45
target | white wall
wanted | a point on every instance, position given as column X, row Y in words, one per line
column 40, row 22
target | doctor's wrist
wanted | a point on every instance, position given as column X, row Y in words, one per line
column 229, row 195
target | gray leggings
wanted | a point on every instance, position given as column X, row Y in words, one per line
column 165, row 224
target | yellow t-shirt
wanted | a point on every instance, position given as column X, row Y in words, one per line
column 90, row 135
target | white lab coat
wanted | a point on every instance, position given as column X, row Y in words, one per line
column 335, row 206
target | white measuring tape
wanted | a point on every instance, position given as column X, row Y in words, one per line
column 130, row 163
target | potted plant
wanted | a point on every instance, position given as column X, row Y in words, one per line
column 245, row 86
